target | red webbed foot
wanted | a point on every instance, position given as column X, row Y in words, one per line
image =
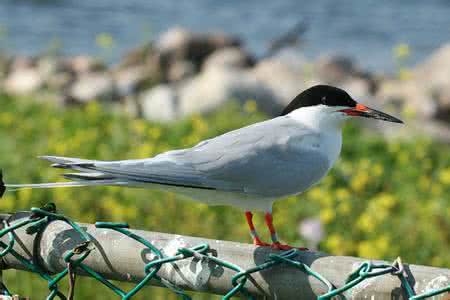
column 284, row 247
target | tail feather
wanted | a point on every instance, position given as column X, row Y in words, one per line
column 2, row 185
column 64, row 160
column 90, row 178
column 14, row 187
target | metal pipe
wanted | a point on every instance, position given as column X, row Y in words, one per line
column 118, row 257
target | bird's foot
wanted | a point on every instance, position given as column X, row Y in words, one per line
column 259, row 243
column 284, row 247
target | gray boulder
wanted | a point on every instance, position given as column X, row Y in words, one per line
column 284, row 76
column 129, row 80
column 179, row 70
column 83, row 64
column 181, row 44
column 23, row 81
column 206, row 92
column 335, row 69
column 425, row 94
column 159, row 104
column 92, row 86
column 215, row 86
column 230, row 57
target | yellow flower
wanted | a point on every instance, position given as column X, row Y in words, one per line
column 366, row 223
column 402, row 51
column 327, row 215
column 104, row 40
column 345, row 208
column 342, row 194
column 316, row 193
column 403, row 157
column 6, row 119
column 139, row 126
column 359, row 181
column 92, row 110
column 155, row 133
column 386, row 201
column 199, row 125
column 375, row 248
column 404, row 74
column 336, row 244
column 250, row 106
column 377, row 170
column 444, row 176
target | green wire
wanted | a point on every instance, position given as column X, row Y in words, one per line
column 74, row 258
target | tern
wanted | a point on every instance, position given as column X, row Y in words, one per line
column 249, row 168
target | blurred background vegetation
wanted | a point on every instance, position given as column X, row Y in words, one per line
column 382, row 200
column 94, row 80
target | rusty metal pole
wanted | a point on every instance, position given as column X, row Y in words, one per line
column 118, row 257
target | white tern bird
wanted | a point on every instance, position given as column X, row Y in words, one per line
column 249, row 168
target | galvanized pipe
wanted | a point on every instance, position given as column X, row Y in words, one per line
column 118, row 257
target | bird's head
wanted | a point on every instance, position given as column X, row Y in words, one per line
column 328, row 103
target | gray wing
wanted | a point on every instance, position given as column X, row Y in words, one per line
column 263, row 158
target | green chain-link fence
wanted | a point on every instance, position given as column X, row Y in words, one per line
column 40, row 217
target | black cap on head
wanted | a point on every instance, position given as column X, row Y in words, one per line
column 320, row 95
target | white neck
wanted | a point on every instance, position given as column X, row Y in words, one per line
column 325, row 121
column 319, row 117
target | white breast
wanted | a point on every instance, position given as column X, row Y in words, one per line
column 330, row 145
column 328, row 138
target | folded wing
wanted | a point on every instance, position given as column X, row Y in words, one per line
column 243, row 160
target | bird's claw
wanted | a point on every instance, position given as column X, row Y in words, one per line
column 277, row 246
column 284, row 247
column 259, row 243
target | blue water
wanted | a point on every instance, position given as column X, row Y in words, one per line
column 365, row 30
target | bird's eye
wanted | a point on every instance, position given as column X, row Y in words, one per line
column 323, row 99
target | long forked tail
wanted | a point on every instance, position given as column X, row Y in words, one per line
column 78, row 179
column 2, row 185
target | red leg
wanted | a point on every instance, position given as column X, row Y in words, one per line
column 273, row 234
column 256, row 240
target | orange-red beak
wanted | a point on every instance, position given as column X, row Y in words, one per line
column 361, row 110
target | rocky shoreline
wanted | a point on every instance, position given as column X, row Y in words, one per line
column 183, row 73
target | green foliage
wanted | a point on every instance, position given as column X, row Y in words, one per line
column 380, row 201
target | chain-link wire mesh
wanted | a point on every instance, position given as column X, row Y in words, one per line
column 40, row 217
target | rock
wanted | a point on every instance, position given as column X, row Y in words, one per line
column 231, row 57
column 5, row 62
column 358, row 88
column 22, row 63
column 92, row 86
column 407, row 96
column 426, row 93
column 435, row 71
column 180, row 44
column 180, row 70
column 48, row 66
column 59, row 81
column 173, row 39
column 285, row 78
column 23, row 81
column 129, row 80
column 212, row 88
column 206, row 92
column 138, row 56
column 335, row 69
column 159, row 104
column 82, row 64
column 55, row 73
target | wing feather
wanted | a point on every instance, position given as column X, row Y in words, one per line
column 241, row 160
